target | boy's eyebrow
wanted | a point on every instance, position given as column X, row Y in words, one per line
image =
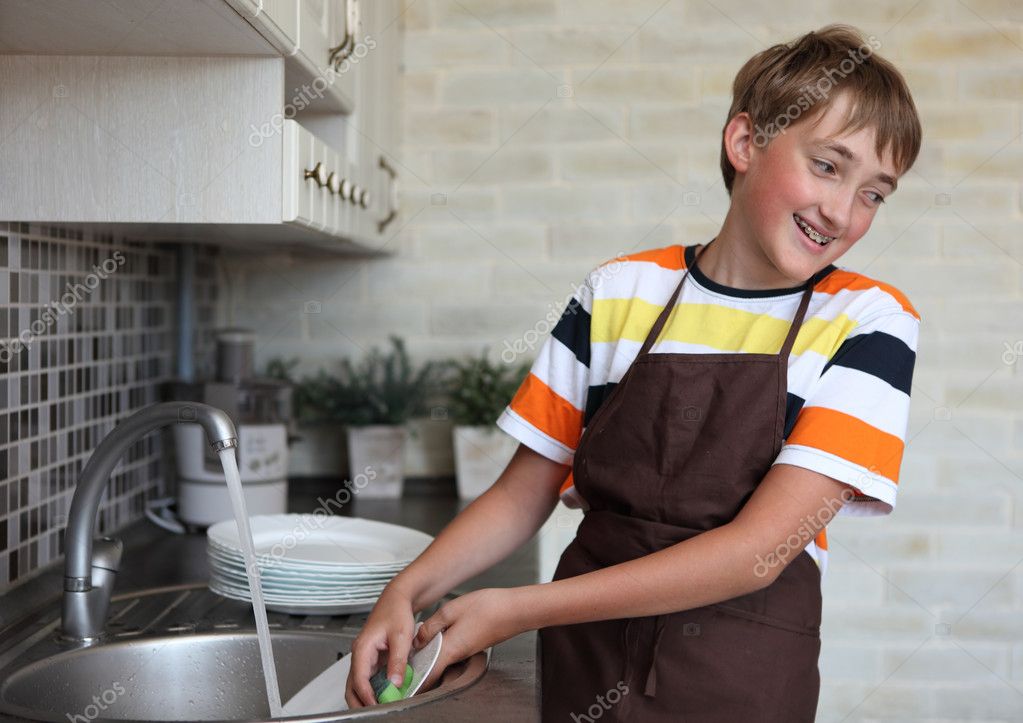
column 845, row 152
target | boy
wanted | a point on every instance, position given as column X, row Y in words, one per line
column 711, row 407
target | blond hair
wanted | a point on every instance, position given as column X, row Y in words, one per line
column 808, row 73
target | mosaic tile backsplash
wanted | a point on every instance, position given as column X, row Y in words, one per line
column 87, row 335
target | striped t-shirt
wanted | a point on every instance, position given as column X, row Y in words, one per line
column 849, row 371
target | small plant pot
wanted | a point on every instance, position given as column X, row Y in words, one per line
column 481, row 455
column 376, row 455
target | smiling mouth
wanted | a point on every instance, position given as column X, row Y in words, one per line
column 819, row 239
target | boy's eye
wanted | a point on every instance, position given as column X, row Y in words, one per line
column 823, row 163
column 879, row 199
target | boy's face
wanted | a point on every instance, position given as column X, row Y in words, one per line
column 795, row 174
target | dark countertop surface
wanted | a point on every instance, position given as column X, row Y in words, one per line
column 154, row 557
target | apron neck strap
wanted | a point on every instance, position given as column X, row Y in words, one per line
column 797, row 322
column 668, row 308
column 662, row 318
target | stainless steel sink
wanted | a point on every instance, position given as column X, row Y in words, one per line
column 182, row 653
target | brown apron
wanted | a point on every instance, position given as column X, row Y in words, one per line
column 678, row 448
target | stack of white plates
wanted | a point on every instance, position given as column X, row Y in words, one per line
column 313, row 564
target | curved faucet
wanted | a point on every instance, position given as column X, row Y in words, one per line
column 90, row 568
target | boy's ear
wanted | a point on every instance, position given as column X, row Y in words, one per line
column 738, row 141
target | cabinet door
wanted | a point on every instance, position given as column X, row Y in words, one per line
column 327, row 34
column 305, row 171
column 343, row 34
column 280, row 17
column 376, row 98
column 314, row 34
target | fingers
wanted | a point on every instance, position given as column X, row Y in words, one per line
column 358, row 691
column 430, row 628
column 398, row 644
column 421, row 638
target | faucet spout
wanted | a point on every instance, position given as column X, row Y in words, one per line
column 89, row 571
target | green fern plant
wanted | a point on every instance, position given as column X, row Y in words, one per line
column 478, row 390
column 381, row 389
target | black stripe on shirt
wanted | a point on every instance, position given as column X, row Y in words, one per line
column 884, row 356
column 573, row 330
column 595, row 397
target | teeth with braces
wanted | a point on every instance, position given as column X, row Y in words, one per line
column 819, row 238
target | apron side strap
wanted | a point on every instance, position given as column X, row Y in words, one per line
column 650, row 688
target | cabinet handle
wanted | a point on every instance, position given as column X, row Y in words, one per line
column 318, row 174
column 354, row 198
column 340, row 52
column 364, row 199
column 346, row 189
column 392, row 211
column 332, row 183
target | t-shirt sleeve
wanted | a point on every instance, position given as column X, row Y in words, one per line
column 546, row 413
column 852, row 426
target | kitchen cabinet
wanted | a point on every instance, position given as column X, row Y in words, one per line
column 202, row 138
column 315, row 36
column 378, row 77
column 370, row 133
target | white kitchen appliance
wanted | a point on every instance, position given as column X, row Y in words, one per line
column 262, row 461
column 261, row 411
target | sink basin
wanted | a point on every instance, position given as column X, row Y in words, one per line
column 183, row 653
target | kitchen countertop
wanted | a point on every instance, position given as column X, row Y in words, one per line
column 153, row 556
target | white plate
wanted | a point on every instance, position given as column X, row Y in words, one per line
column 240, row 580
column 243, row 593
column 314, row 578
column 345, row 608
column 217, row 560
column 326, row 540
column 293, row 595
column 282, row 563
column 326, row 692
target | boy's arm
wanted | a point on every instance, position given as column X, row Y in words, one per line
column 489, row 529
column 737, row 558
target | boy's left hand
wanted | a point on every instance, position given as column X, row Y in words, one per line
column 471, row 622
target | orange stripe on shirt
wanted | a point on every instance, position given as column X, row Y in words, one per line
column 850, row 438
column 839, row 280
column 549, row 412
column 669, row 257
column 822, row 539
column 569, row 481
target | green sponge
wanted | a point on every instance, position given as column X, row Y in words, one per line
column 385, row 690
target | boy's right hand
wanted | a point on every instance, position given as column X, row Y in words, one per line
column 389, row 627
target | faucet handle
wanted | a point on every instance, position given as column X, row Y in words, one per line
column 84, row 611
column 106, row 553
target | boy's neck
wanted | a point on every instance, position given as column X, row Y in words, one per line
column 734, row 258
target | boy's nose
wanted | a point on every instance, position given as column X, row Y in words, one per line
column 835, row 212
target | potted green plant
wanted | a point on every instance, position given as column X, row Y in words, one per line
column 373, row 400
column 477, row 392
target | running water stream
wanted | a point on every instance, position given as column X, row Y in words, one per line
column 241, row 516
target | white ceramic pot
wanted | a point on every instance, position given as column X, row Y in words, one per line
column 376, row 460
column 481, row 455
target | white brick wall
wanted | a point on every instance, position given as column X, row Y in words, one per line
column 561, row 132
